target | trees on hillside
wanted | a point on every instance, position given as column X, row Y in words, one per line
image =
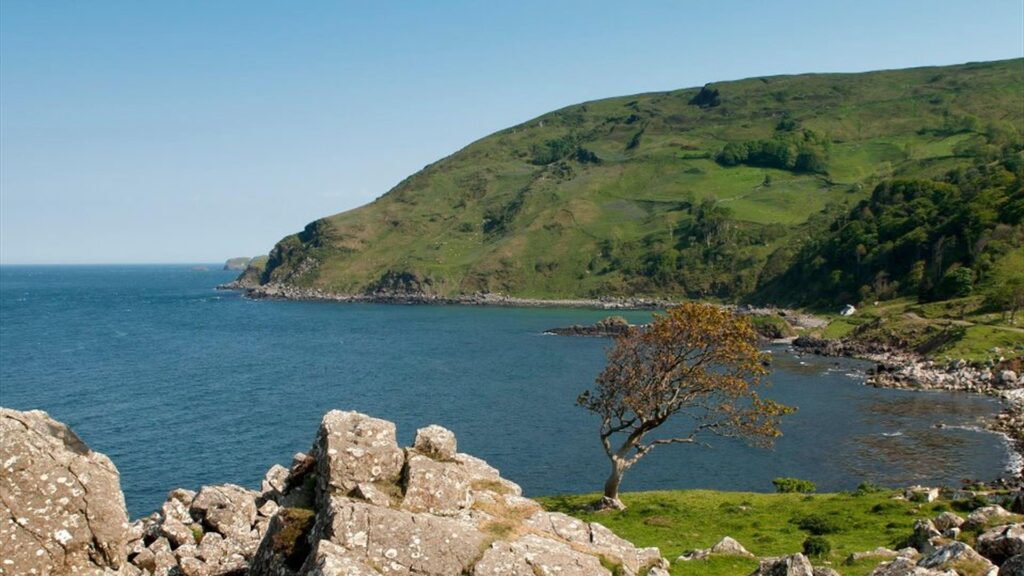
column 697, row 364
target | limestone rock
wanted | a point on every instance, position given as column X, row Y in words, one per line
column 400, row 541
column 440, row 488
column 484, row 477
column 879, row 553
column 794, row 565
column 955, row 554
column 924, row 535
column 730, row 547
column 352, row 448
column 330, row 560
column 531, row 555
column 947, row 520
column 436, row 442
column 227, row 509
column 903, row 566
column 986, row 516
column 61, row 503
column 1001, row 542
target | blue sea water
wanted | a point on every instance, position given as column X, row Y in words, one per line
column 182, row 385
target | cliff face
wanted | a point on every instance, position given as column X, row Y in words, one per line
column 356, row 504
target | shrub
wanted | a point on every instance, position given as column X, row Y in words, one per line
column 819, row 525
column 868, row 488
column 816, row 546
column 789, row 485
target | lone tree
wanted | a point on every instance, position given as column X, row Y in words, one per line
column 697, row 361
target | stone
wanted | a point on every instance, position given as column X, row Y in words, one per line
column 268, row 509
column 211, row 547
column 794, row 565
column 955, row 554
column 61, row 506
column 921, row 494
column 1001, row 543
column 903, row 566
column 485, row 478
column 193, row 567
column 275, row 482
column 286, row 545
column 372, row 494
column 352, row 448
column 532, row 555
column 436, row 442
column 594, row 538
column 330, row 560
column 923, row 536
column 176, row 533
column 440, row 488
column 175, row 509
column 878, row 553
column 400, row 541
column 987, row 516
column 227, row 509
column 730, row 547
column 145, row 559
column 1013, row 567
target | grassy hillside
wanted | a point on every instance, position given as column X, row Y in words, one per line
column 702, row 192
column 765, row 524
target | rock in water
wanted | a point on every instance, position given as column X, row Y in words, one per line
column 62, row 506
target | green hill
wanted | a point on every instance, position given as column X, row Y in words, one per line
column 737, row 191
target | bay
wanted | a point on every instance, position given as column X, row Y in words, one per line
column 182, row 385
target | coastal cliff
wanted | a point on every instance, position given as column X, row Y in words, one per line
column 356, row 504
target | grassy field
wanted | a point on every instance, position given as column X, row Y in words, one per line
column 961, row 328
column 501, row 216
column 766, row 524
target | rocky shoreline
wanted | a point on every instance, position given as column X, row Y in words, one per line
column 906, row 371
column 285, row 292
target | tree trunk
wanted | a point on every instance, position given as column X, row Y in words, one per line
column 611, row 501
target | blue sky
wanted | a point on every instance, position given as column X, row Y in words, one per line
column 195, row 131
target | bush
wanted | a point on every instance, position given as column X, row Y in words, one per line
column 819, row 525
column 816, row 546
column 869, row 488
column 790, row 485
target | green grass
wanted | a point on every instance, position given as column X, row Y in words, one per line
column 556, row 219
column 766, row 524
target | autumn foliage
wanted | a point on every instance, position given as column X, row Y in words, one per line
column 697, row 361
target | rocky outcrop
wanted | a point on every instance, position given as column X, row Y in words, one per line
column 355, row 505
column 794, row 565
column 727, row 546
column 239, row 263
column 610, row 327
column 61, row 503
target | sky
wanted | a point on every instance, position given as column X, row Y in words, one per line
column 193, row 131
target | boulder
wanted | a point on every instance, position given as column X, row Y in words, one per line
column 61, row 503
column 987, row 516
column 1001, row 543
column 401, row 541
column 595, row 538
column 878, row 553
column 794, row 565
column 436, row 442
column 227, row 509
column 1013, row 566
column 924, row 535
column 946, row 521
column 440, row 488
column 531, row 555
column 330, row 560
column 959, row 557
column 730, row 547
column 352, row 448
column 903, row 566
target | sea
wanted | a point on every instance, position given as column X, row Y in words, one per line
column 182, row 385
